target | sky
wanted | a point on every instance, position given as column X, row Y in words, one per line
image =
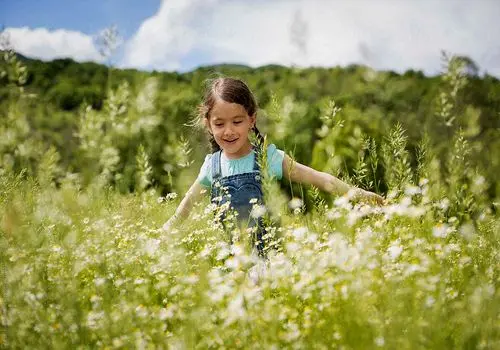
column 180, row 35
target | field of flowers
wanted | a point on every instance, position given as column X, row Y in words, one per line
column 84, row 263
column 90, row 268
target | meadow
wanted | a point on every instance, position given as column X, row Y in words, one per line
column 84, row 263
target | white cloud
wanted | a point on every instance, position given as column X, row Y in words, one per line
column 162, row 40
column 386, row 34
column 46, row 45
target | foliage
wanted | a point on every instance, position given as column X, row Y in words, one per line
column 297, row 113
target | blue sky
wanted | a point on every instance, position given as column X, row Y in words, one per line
column 183, row 34
column 86, row 16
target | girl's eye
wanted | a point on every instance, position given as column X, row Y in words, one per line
column 238, row 122
column 219, row 125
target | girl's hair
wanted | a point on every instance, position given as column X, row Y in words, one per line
column 233, row 91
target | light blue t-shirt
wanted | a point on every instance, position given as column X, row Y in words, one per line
column 242, row 165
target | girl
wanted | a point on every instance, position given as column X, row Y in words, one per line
column 232, row 172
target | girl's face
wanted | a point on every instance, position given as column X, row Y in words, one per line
column 230, row 125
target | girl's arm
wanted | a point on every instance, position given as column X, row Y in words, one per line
column 182, row 211
column 300, row 173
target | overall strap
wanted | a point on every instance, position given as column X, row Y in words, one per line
column 216, row 171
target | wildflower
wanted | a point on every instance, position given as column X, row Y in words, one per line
column 353, row 217
column 352, row 193
column 429, row 301
column 444, row 204
column 412, row 268
column 395, row 250
column 151, row 246
column 232, row 263
column 236, row 309
column 117, row 342
column 163, row 314
column 479, row 181
column 451, row 293
column 118, row 282
column 295, row 203
column 405, row 202
column 217, row 199
column 344, row 291
column 210, row 208
column 414, row 211
column 99, row 281
column 423, row 182
column 392, row 194
column 342, row 201
column 412, row 190
column 467, row 231
column 299, row 233
column 292, row 247
column 440, row 230
column 191, row 279
column 93, row 319
column 380, row 341
column 159, row 200
column 258, row 211
column 171, row 196
column 465, row 260
column 141, row 311
column 333, row 214
column 223, row 253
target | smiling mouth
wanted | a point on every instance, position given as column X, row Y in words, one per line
column 232, row 141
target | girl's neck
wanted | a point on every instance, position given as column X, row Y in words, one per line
column 244, row 151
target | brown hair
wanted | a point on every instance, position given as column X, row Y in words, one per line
column 233, row 91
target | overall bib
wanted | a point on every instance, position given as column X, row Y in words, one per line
column 241, row 188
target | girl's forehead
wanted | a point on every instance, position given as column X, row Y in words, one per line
column 226, row 110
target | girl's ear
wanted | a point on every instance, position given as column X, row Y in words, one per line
column 253, row 120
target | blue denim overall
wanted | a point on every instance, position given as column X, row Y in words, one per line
column 241, row 188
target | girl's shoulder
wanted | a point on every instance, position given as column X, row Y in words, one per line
column 205, row 174
column 272, row 149
column 275, row 158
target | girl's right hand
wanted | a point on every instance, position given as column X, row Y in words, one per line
column 167, row 227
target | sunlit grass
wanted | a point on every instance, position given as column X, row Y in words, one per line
column 91, row 268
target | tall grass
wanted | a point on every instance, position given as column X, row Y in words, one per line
column 90, row 268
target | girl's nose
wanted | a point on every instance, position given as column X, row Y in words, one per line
column 228, row 131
